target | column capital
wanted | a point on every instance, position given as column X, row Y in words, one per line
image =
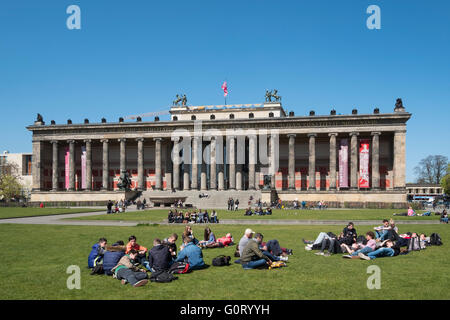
column 333, row 134
column 291, row 135
column 353, row 134
column 400, row 131
column 376, row 133
column 87, row 140
column 104, row 140
column 231, row 137
column 71, row 141
column 139, row 139
column 54, row 141
column 157, row 139
column 312, row 135
column 176, row 139
column 122, row 139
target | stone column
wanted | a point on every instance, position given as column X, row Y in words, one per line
column 71, row 165
column 376, row 160
column 252, row 140
column 291, row 166
column 88, row 143
column 212, row 167
column 239, row 171
column 332, row 160
column 195, row 158
column 176, row 163
column 272, row 168
column 123, row 155
column 399, row 159
column 105, row 168
column 203, row 182
column 354, row 160
column 158, row 174
column 232, row 163
column 54, row 165
column 312, row 161
column 140, row 163
column 37, row 165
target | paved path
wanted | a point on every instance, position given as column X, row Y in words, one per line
column 59, row 220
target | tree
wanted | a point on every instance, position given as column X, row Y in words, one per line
column 431, row 169
column 10, row 187
column 445, row 182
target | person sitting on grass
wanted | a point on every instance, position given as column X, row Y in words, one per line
column 186, row 217
column 188, row 233
column 382, row 231
column 364, row 248
column 127, row 272
column 159, row 257
column 112, row 256
column 97, row 252
column 411, row 212
column 209, row 238
column 142, row 251
column 214, row 216
column 273, row 250
column 248, row 212
column 248, row 234
column 387, row 249
column 268, row 211
column 252, row 257
column 191, row 254
column 444, row 217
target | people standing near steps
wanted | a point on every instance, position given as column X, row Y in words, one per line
column 236, row 204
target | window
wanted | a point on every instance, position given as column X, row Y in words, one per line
column 232, row 116
column 212, row 117
column 251, row 115
column 270, row 114
column 28, row 165
column 193, row 118
column 175, row 118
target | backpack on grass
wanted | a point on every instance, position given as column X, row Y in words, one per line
column 221, row 261
column 179, row 267
column 414, row 244
column 435, row 239
column 162, row 276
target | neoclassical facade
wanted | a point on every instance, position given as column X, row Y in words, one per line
column 225, row 150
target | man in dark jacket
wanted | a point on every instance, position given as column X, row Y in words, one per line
column 159, row 257
column 112, row 256
column 349, row 235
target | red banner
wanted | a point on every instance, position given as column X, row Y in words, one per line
column 343, row 164
column 364, row 163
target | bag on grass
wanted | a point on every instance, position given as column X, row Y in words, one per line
column 414, row 244
column 435, row 239
column 98, row 269
column 221, row 260
column 277, row 264
column 179, row 267
column 162, row 276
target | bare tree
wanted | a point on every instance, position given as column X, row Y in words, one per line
column 431, row 169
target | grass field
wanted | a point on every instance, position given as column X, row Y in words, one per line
column 18, row 212
column 159, row 215
column 35, row 259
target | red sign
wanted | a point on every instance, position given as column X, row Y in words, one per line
column 364, row 164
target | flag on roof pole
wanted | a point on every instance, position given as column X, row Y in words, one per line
column 225, row 91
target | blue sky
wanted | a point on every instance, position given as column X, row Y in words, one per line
column 132, row 57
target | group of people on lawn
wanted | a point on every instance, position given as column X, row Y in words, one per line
column 259, row 211
column 384, row 241
column 131, row 262
column 194, row 216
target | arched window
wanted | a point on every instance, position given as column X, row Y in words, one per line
column 193, row 118
column 270, row 114
column 175, row 118
column 212, row 117
column 231, row 116
column 251, row 115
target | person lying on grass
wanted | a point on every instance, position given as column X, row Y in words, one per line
column 273, row 245
column 127, row 272
column 348, row 236
column 387, row 249
column 220, row 242
column 363, row 248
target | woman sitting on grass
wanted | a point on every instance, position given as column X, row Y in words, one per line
column 359, row 247
column 188, row 233
column 209, row 238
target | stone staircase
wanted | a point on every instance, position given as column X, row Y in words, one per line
column 215, row 200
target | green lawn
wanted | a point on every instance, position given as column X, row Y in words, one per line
column 159, row 215
column 35, row 259
column 18, row 212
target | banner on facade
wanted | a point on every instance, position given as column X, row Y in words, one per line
column 364, row 164
column 343, row 164
column 66, row 168
column 83, row 167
